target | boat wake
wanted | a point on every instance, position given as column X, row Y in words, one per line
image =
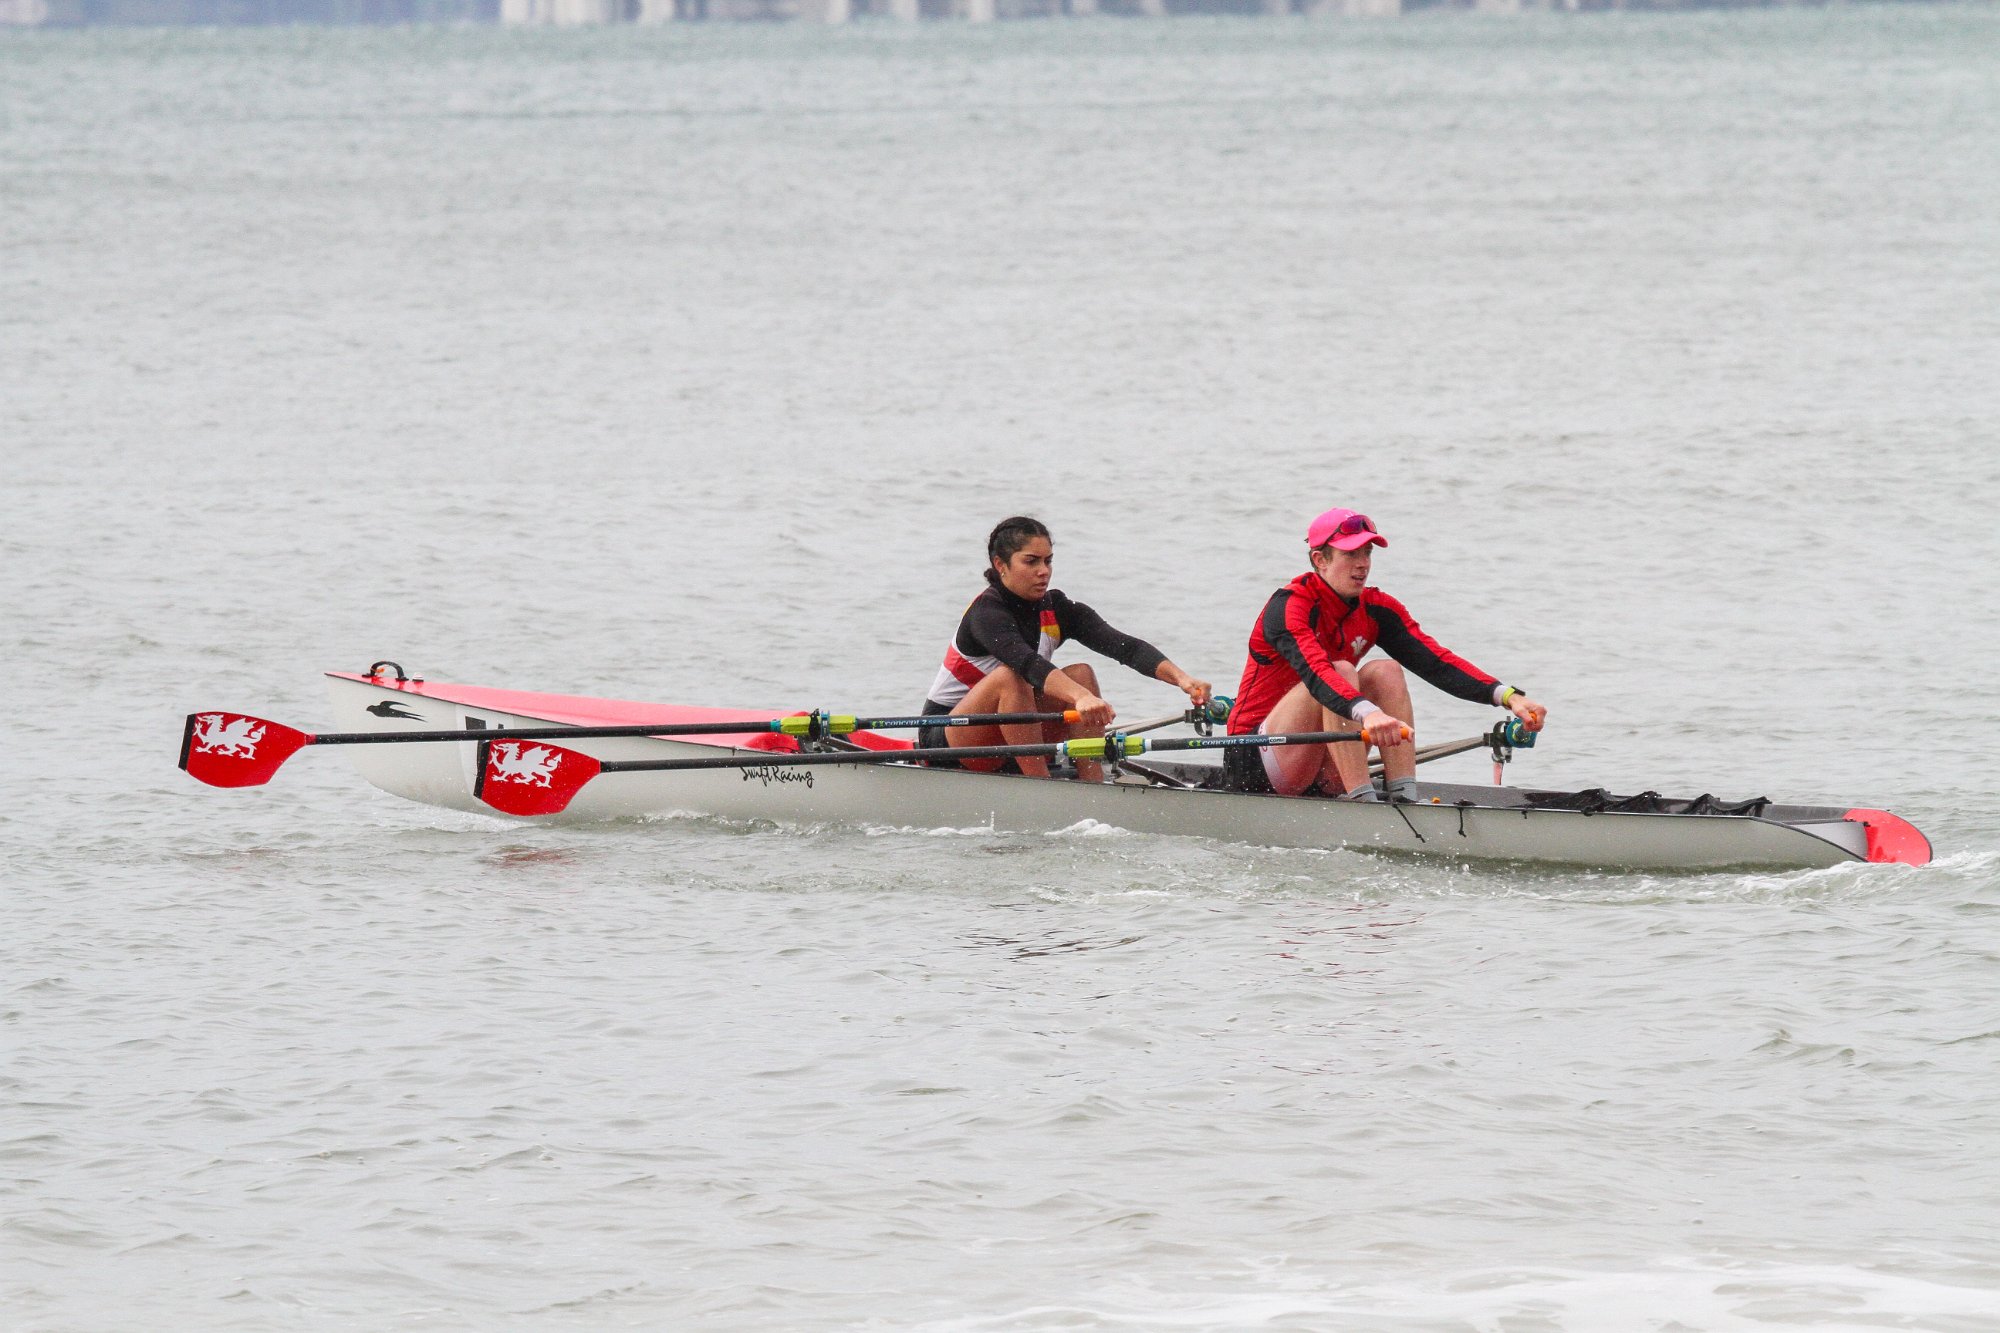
column 1690, row 1293
column 1090, row 828
column 905, row 830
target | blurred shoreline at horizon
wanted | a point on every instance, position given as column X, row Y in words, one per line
column 599, row 13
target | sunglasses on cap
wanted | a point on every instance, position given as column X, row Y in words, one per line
column 1352, row 526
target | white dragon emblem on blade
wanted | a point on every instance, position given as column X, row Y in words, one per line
column 237, row 738
column 514, row 761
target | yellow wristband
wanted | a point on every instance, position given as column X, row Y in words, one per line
column 1507, row 694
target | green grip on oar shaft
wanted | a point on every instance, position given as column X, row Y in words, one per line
column 1098, row 747
column 816, row 725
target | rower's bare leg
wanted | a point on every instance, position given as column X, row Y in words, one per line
column 1347, row 761
column 1383, row 684
column 1300, row 768
column 1087, row 770
column 1001, row 692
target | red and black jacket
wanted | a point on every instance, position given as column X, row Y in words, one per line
column 1306, row 627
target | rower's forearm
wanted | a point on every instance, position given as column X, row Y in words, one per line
column 1063, row 688
column 1194, row 686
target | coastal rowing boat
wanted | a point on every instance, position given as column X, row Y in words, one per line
column 767, row 777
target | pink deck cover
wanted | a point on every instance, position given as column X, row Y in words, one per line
column 577, row 710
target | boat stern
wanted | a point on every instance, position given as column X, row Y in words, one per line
column 1891, row 838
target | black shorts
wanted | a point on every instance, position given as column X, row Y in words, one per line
column 1243, row 769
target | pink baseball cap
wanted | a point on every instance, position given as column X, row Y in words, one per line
column 1347, row 530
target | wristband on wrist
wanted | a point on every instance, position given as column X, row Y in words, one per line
column 1507, row 692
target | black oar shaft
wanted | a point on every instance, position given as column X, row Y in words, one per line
column 537, row 733
column 842, row 725
column 959, row 720
column 1250, row 739
column 789, row 760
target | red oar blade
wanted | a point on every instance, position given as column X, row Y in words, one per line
column 235, row 749
column 530, row 777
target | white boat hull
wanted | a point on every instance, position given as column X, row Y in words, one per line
column 900, row 795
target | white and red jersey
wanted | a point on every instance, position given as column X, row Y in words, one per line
column 1000, row 629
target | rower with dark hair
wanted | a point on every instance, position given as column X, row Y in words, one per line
column 1001, row 658
column 1305, row 673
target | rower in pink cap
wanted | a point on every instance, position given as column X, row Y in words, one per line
column 1306, row 673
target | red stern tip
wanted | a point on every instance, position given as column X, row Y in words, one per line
column 1891, row 838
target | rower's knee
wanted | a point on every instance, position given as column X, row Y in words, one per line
column 1297, row 711
column 1083, row 674
column 1382, row 679
column 1381, row 670
column 1012, row 688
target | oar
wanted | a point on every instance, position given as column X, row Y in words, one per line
column 237, row 750
column 1445, row 749
column 523, row 779
column 1154, row 724
column 1216, row 710
column 1505, row 736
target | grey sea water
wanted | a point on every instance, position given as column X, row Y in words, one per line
column 693, row 365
